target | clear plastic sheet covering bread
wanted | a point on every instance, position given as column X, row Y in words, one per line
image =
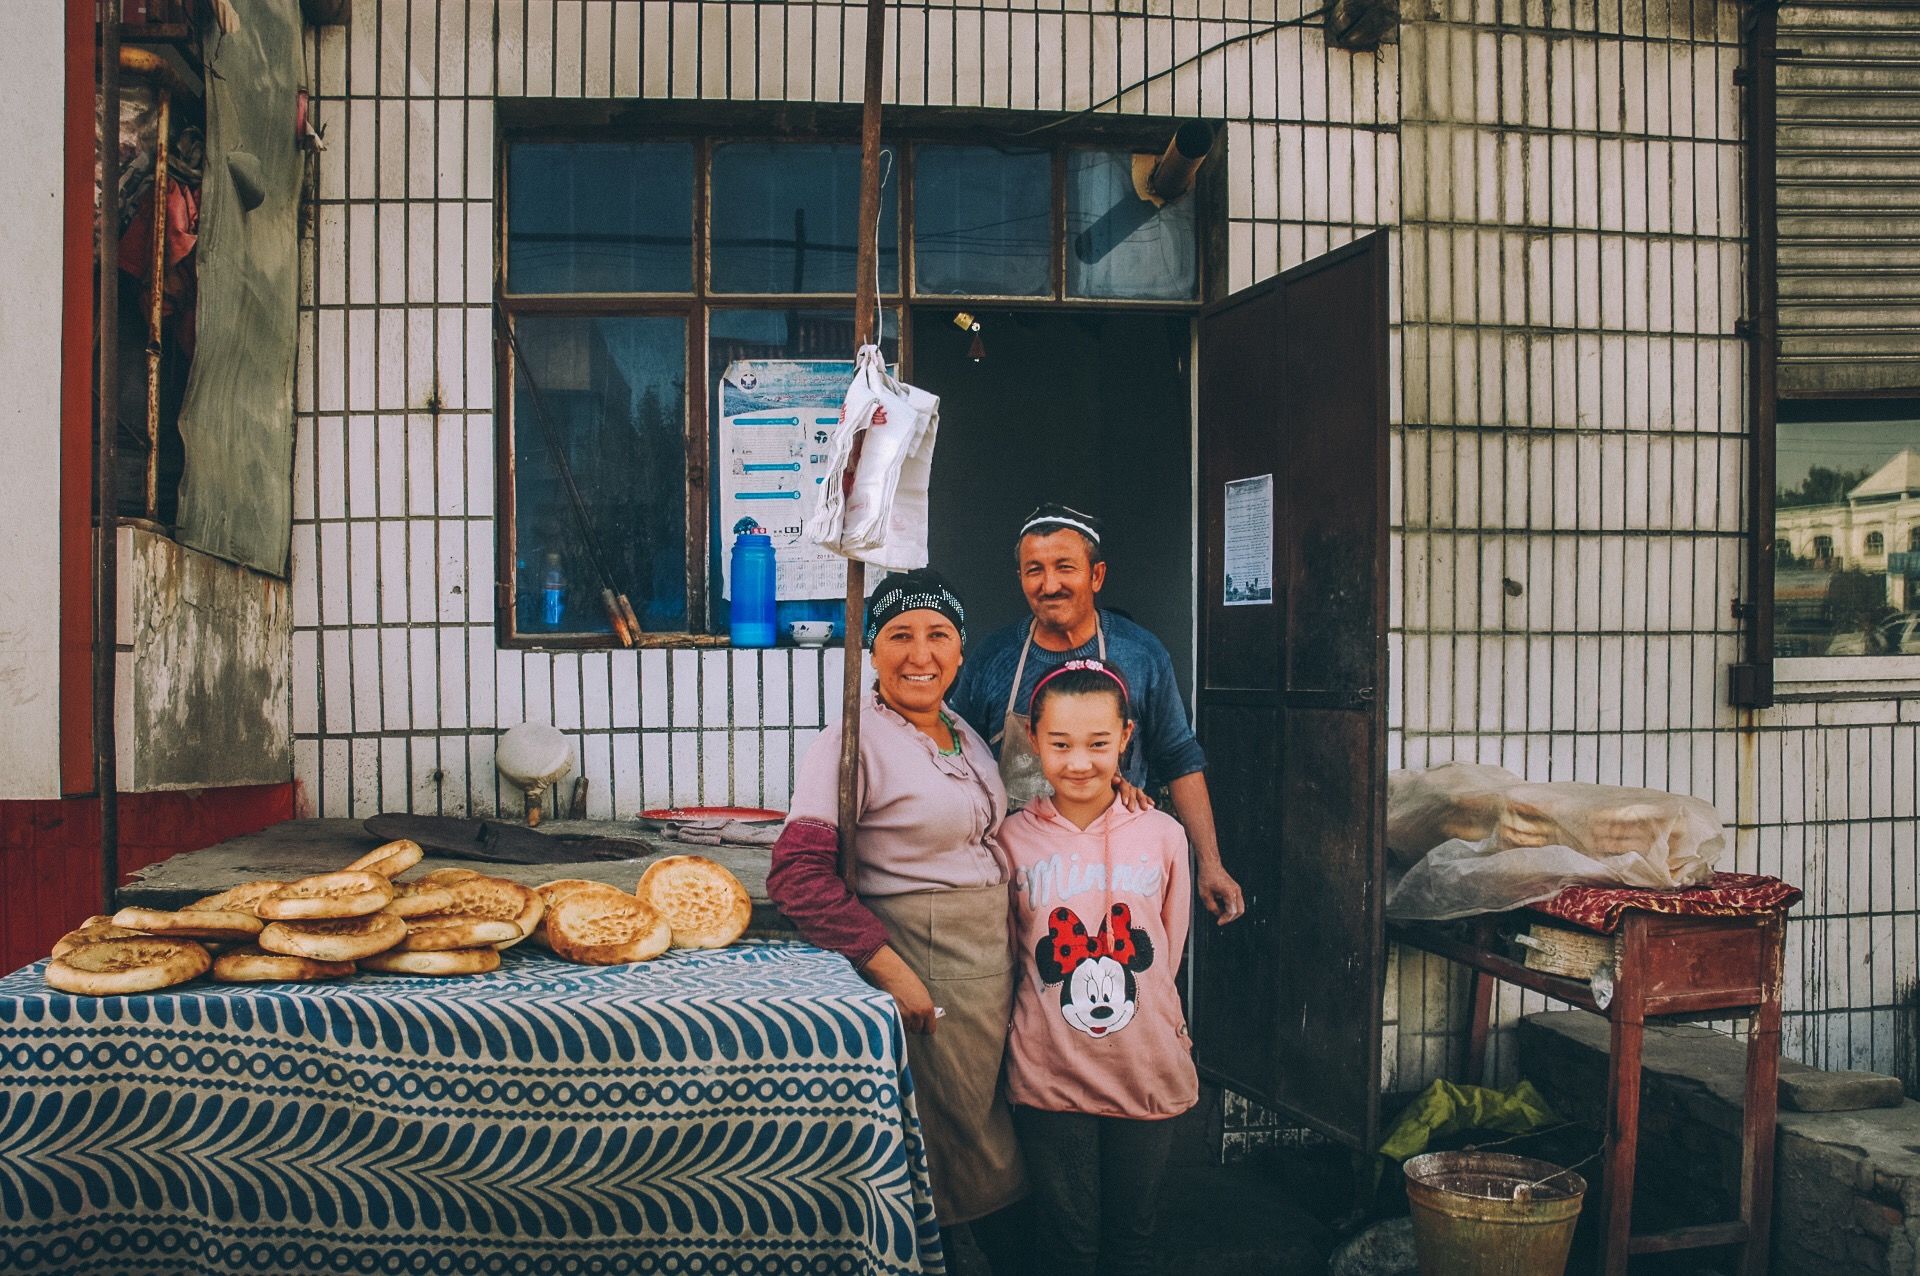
column 1475, row 839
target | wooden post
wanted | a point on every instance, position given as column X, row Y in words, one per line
column 866, row 299
column 1759, row 1114
column 157, row 297
column 106, row 775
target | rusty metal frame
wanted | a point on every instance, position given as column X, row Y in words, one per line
column 157, row 298
column 1750, row 683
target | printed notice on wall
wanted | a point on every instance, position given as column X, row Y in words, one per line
column 776, row 416
column 1249, row 542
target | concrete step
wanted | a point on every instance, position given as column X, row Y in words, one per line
column 1847, row 1183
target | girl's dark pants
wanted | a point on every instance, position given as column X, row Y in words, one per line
column 1096, row 1181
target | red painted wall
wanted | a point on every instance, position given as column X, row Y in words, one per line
column 50, row 852
column 76, row 423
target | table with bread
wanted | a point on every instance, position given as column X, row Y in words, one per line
column 452, row 1070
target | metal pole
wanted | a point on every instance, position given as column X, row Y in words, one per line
column 1752, row 680
column 156, row 298
column 865, row 300
column 106, row 780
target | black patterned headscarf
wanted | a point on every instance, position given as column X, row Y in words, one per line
column 916, row 590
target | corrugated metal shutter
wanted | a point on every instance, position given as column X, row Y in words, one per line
column 1849, row 196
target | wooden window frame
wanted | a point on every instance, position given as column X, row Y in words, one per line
column 704, row 129
column 1760, row 679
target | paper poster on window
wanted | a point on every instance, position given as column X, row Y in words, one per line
column 776, row 416
column 1249, row 542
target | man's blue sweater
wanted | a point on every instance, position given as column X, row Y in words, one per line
column 1163, row 746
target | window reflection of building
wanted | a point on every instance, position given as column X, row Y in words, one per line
column 1854, row 532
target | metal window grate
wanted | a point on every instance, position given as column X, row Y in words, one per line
column 1566, row 184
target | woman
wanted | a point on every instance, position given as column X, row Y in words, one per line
column 922, row 913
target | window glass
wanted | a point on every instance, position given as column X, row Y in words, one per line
column 1847, row 529
column 600, row 217
column 1119, row 245
column 744, row 337
column 982, row 221
column 613, row 430
column 786, row 218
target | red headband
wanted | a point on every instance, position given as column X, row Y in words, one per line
column 1126, row 697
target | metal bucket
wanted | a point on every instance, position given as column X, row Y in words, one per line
column 1467, row 1222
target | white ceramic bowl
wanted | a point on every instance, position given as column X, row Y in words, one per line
column 810, row 633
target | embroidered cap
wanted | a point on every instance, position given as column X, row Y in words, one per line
column 1052, row 516
column 921, row 589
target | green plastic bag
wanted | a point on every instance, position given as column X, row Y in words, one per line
column 1444, row 1108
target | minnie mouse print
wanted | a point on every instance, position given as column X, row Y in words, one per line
column 1096, row 975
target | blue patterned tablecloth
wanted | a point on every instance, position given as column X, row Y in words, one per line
column 733, row 1112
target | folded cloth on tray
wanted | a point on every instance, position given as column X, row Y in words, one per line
column 724, row 832
column 1599, row 908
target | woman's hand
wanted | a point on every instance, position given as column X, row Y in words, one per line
column 1131, row 798
column 888, row 972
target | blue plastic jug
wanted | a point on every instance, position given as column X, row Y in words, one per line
column 750, row 617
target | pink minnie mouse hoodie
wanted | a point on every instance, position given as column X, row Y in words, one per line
column 1099, row 927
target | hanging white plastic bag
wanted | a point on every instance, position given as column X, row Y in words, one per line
column 897, row 529
column 881, row 517
column 826, row 525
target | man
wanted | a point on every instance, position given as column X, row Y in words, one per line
column 1062, row 570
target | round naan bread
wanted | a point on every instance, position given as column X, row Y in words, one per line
column 253, row 964
column 606, row 928
column 327, row 896
column 453, row 961
column 191, row 923
column 114, row 967
column 335, row 939
column 704, row 903
column 390, row 860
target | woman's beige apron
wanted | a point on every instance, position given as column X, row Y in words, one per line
column 1019, row 763
column 957, row 942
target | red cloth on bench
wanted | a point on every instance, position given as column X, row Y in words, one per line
column 1598, row 908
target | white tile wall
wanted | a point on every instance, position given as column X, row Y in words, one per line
column 1564, row 183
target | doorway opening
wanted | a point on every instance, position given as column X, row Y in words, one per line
column 1087, row 407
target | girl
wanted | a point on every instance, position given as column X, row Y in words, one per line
column 1098, row 1059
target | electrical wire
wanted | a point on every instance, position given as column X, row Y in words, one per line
column 1229, row 42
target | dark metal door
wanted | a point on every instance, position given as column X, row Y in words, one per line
column 1290, row 687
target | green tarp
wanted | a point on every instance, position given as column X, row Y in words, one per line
column 236, row 497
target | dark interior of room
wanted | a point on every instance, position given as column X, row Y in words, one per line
column 1086, row 407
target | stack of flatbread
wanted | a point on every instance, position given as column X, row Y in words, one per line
column 453, row 921
column 683, row 901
